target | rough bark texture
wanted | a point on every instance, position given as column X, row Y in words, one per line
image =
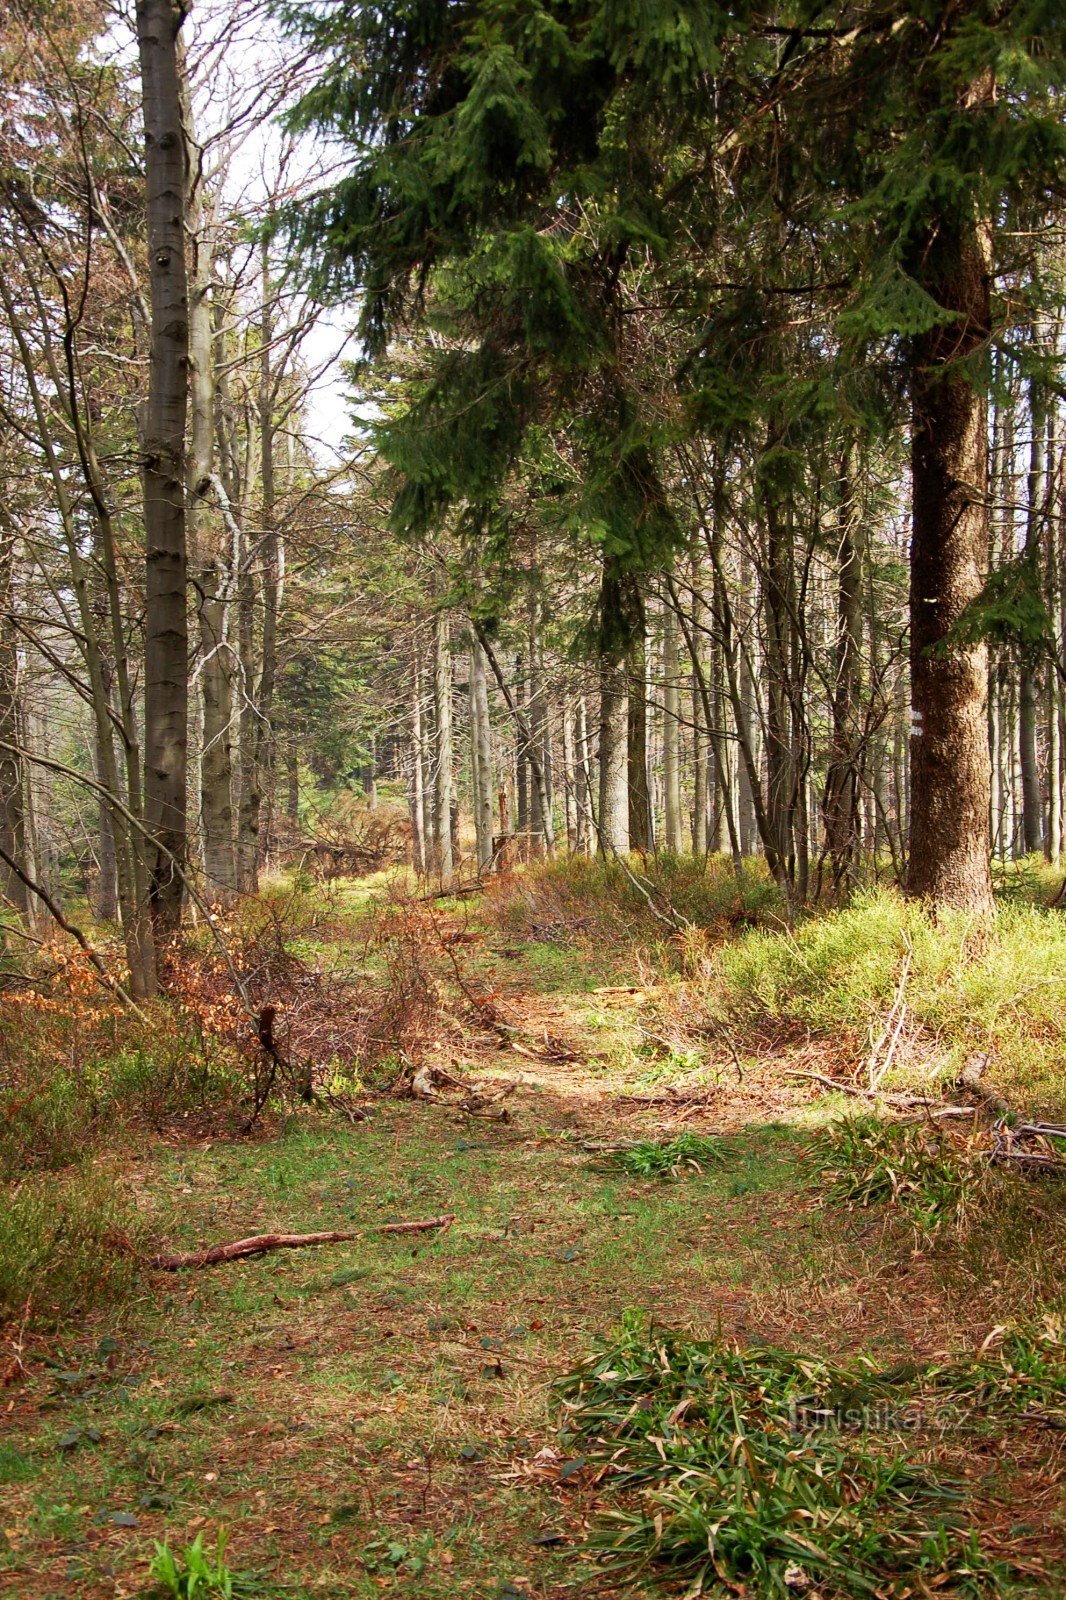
column 841, row 805
column 12, row 826
column 208, row 544
column 481, row 749
column 950, row 769
column 640, row 817
column 166, row 669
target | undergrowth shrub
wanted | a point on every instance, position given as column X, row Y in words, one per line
column 67, row 1244
column 835, row 977
column 1006, row 1228
column 75, row 1076
column 751, row 1471
column 917, row 1166
column 582, row 899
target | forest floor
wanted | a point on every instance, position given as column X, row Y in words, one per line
column 378, row 1415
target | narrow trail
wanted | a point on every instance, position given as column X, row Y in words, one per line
column 378, row 1414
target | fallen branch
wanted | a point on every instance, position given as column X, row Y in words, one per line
column 419, row 1227
column 256, row 1245
column 259, row 1243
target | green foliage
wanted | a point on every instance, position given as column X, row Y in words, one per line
column 596, row 900
column 71, row 1079
column 1010, row 610
column 914, row 1165
column 67, row 1244
column 653, row 1158
column 753, row 1470
column 194, row 1575
column 835, row 977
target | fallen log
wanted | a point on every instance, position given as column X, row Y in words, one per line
column 257, row 1244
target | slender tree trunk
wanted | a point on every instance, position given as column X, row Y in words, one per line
column 166, row 663
column 641, row 836
column 420, row 821
column 841, row 804
column 950, row 778
column 701, row 733
column 614, row 756
column 481, row 752
column 1029, row 687
column 671, row 734
column 442, row 822
column 584, row 826
column 539, row 738
column 205, row 551
column 12, row 779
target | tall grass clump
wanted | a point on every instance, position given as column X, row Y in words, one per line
column 965, row 989
column 750, row 1472
column 68, row 1244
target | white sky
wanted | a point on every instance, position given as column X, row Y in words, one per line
column 242, row 70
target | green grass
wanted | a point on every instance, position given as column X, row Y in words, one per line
column 378, row 1417
column 866, row 1161
column 67, row 1244
column 1001, row 992
column 670, row 1158
column 749, row 1472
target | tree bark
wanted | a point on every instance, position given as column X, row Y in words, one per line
column 12, row 821
column 613, row 821
column 671, row 735
column 207, row 554
column 166, row 667
column 641, row 835
column 950, row 770
column 1029, row 688
column 840, row 807
column 481, row 749
column 442, row 821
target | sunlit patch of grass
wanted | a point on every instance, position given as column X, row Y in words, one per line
column 865, row 1161
column 670, row 1158
column 999, row 991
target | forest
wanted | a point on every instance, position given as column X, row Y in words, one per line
column 532, row 780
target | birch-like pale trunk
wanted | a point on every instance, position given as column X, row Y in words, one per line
column 613, row 819
column 209, row 547
column 481, row 753
column 442, row 693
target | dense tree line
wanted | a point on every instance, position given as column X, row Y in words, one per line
column 704, row 486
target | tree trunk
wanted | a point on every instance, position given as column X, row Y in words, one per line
column 166, row 664
column 442, row 821
column 481, row 751
column 12, row 821
column 206, row 554
column 420, row 840
column 613, row 821
column 671, row 735
column 1029, row 688
column 950, row 775
column 641, row 835
column 840, row 808
column 584, row 826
